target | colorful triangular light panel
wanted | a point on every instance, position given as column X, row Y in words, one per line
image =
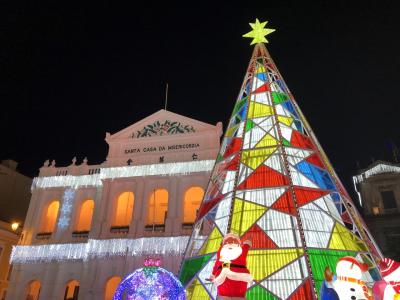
column 286, row 280
column 344, row 239
column 259, row 239
column 263, row 98
column 281, row 228
column 264, row 176
column 263, row 263
column 259, row 110
column 263, row 196
column 245, row 214
column 253, row 136
column 254, row 158
column 204, row 275
column 213, row 242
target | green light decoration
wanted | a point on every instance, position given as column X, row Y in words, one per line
column 259, row 32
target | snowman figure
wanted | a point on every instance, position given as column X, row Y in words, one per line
column 347, row 283
column 390, row 271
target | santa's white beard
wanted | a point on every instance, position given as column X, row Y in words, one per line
column 230, row 252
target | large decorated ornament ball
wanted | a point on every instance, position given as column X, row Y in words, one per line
column 150, row 283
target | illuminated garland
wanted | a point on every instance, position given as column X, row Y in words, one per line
column 165, row 169
column 171, row 246
column 378, row 169
column 150, row 283
column 68, row 198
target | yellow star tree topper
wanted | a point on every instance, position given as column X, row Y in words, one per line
column 259, row 32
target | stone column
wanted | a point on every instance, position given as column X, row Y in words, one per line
column 98, row 212
column 51, row 287
column 170, row 222
column 141, row 209
column 100, row 227
column 136, row 227
column 32, row 218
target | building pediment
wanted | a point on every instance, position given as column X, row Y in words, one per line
column 163, row 137
column 161, row 123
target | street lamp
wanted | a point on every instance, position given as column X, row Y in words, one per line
column 14, row 226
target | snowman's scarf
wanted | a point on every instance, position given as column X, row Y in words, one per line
column 356, row 281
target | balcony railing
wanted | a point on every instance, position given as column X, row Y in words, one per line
column 119, row 229
column 81, row 234
column 187, row 225
column 43, row 235
column 155, row 227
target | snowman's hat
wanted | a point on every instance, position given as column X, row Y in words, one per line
column 363, row 267
column 387, row 266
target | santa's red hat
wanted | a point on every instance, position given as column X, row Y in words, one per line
column 362, row 266
column 231, row 236
column 387, row 266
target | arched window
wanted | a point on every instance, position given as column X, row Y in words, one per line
column 85, row 216
column 33, row 290
column 111, row 287
column 191, row 204
column 72, row 290
column 124, row 209
column 50, row 217
column 158, row 207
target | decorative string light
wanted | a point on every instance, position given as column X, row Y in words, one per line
column 66, row 208
column 378, row 169
column 171, row 246
column 150, row 282
column 166, row 169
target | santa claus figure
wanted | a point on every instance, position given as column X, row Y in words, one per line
column 347, row 283
column 230, row 273
column 390, row 271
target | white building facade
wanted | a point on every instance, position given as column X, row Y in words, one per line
column 88, row 226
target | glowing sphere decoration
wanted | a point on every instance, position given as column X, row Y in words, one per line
column 150, row 283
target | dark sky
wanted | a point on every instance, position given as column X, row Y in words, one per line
column 69, row 73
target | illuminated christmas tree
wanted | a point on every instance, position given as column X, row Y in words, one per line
column 273, row 182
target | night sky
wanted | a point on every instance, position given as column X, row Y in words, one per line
column 71, row 73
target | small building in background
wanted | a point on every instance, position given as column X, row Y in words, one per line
column 88, row 226
column 378, row 189
column 14, row 201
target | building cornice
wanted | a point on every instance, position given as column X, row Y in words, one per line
column 162, row 169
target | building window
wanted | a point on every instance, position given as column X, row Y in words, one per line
column 85, row 216
column 72, row 290
column 389, row 201
column 111, row 287
column 158, row 208
column 191, row 204
column 123, row 213
column 124, row 209
column 33, row 290
column 50, row 217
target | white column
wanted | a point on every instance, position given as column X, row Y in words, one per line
column 101, row 225
column 143, row 195
column 172, row 206
column 51, row 287
column 136, row 227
